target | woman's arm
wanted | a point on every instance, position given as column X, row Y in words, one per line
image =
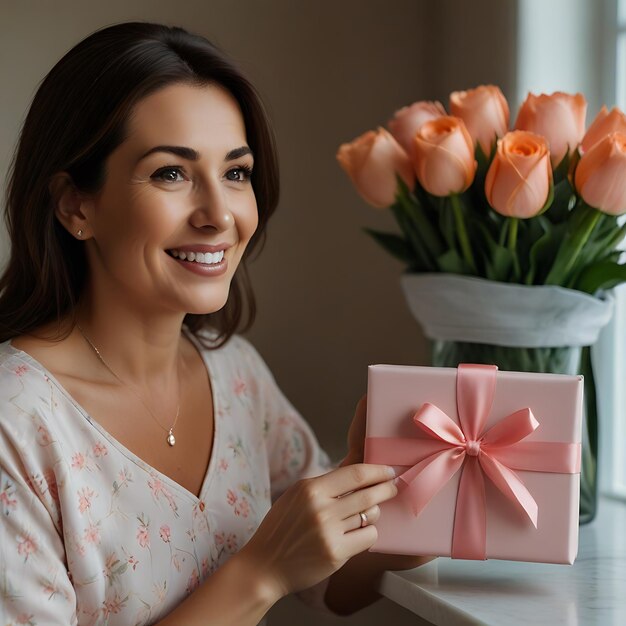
column 355, row 585
column 237, row 594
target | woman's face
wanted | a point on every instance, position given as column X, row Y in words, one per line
column 177, row 191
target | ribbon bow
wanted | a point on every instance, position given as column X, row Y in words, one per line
column 434, row 460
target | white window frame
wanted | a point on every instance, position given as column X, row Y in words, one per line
column 580, row 46
column 609, row 360
column 609, row 355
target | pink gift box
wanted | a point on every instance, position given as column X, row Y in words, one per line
column 413, row 424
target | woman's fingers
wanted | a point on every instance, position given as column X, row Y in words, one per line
column 314, row 527
column 359, row 540
column 364, row 499
column 356, row 488
column 350, row 478
column 355, row 521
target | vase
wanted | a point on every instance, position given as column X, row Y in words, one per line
column 543, row 329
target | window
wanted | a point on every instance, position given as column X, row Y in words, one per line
column 610, row 353
column 580, row 46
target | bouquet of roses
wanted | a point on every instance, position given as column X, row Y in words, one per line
column 536, row 205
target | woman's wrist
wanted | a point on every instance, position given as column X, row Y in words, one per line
column 250, row 570
column 238, row 594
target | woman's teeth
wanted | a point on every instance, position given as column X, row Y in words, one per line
column 207, row 258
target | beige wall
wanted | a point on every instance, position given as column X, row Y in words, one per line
column 329, row 299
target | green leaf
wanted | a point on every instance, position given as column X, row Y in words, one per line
column 601, row 275
column 604, row 238
column 561, row 170
column 580, row 227
column 416, row 213
column 540, row 249
column 562, row 203
column 415, row 239
column 500, row 264
column 529, row 232
column 498, row 260
column 396, row 245
column 459, row 211
column 615, row 237
column 483, row 160
column 475, row 195
column 447, row 226
column 452, row 263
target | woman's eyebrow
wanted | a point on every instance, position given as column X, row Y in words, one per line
column 192, row 155
column 237, row 153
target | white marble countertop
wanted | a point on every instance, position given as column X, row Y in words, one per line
column 592, row 592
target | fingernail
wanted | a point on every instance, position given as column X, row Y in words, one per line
column 391, row 471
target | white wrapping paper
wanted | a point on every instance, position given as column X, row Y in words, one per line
column 465, row 308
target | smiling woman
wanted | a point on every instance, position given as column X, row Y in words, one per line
column 151, row 471
column 162, row 195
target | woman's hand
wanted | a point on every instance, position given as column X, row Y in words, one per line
column 313, row 529
column 355, row 586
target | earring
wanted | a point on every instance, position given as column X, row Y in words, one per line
column 80, row 232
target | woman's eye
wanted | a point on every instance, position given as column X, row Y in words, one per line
column 169, row 174
column 242, row 174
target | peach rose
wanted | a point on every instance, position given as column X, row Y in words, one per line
column 408, row 120
column 600, row 176
column 372, row 161
column 559, row 117
column 519, row 177
column 444, row 156
column 604, row 124
column 485, row 112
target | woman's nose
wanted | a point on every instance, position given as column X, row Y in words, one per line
column 212, row 211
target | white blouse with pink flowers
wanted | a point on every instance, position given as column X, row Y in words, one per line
column 93, row 535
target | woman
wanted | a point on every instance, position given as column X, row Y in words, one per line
column 151, row 472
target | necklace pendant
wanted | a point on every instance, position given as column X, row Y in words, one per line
column 170, row 438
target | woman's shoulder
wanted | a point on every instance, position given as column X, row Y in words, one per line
column 23, row 382
column 27, row 404
column 14, row 362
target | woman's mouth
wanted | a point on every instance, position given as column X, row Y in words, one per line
column 204, row 258
column 201, row 263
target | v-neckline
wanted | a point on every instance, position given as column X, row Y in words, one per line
column 137, row 460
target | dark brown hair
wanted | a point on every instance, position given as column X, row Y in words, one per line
column 78, row 116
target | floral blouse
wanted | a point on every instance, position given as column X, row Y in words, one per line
column 93, row 535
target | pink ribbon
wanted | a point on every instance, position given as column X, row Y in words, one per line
column 435, row 459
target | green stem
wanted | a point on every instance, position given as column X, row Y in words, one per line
column 512, row 245
column 571, row 247
column 462, row 232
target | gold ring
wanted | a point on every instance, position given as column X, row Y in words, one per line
column 363, row 519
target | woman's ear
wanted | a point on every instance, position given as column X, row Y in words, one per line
column 71, row 207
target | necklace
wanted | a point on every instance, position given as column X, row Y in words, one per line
column 171, row 440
